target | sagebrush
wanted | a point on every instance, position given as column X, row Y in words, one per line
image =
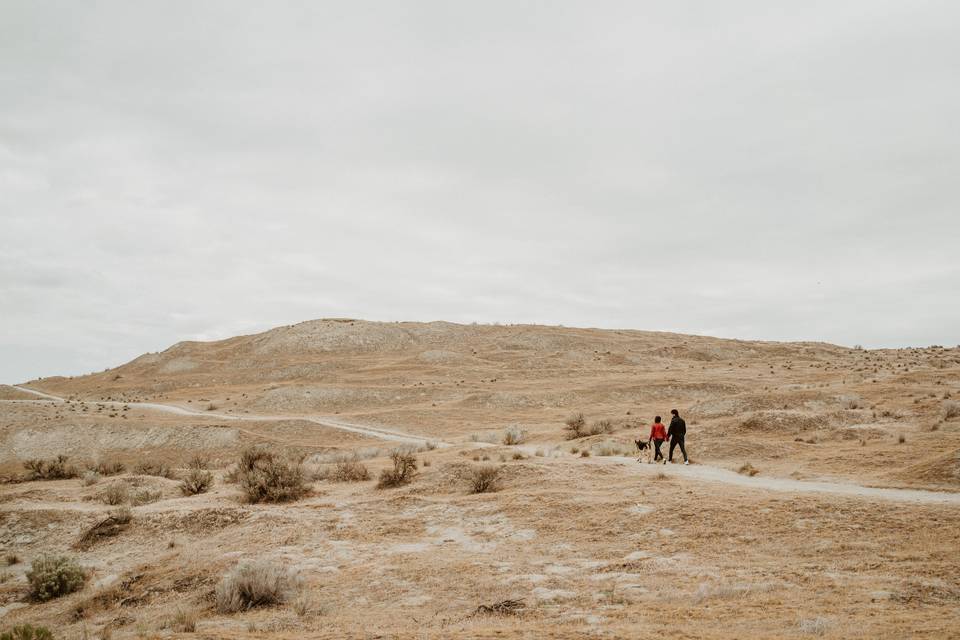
column 254, row 584
column 403, row 471
column 52, row 576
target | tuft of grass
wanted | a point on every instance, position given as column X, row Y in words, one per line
column 145, row 496
column 514, row 434
column 91, row 478
column 27, row 632
column 196, row 481
column 851, row 402
column 403, row 471
column 748, row 470
column 608, row 449
column 601, row 426
column 11, row 559
column 585, row 453
column 519, row 456
column 199, row 461
column 814, row 626
column 484, row 479
column 184, row 621
column 254, row 584
column 949, row 410
column 52, row 576
column 52, row 469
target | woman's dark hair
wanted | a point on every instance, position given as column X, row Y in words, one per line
column 657, row 419
column 674, row 412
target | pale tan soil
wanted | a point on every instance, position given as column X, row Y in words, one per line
column 595, row 546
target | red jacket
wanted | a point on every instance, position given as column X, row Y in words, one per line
column 658, row 431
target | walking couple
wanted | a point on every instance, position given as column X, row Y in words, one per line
column 676, row 434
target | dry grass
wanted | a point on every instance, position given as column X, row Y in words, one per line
column 145, row 496
column 27, row 632
column 748, row 469
column 514, row 434
column 949, row 410
column 254, row 584
column 107, row 468
column 184, row 621
column 403, row 471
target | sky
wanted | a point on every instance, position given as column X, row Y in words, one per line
column 184, row 170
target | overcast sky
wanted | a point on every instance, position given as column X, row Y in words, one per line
column 195, row 170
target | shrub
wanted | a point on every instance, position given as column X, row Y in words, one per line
column 350, row 470
column 851, row 402
column 901, row 439
column 585, row 454
column 145, row 496
column 153, row 468
column 91, row 478
column 53, row 469
column 115, row 493
column 485, row 479
column 195, row 482
column 266, row 477
column 404, row 469
column 516, row 456
column 514, row 435
column 602, row 426
column 950, row 410
column 111, row 468
column 576, row 425
column 54, row 576
column 748, row 470
column 27, row 632
column 199, row 461
column 254, row 584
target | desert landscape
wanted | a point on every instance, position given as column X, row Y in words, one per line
column 348, row 479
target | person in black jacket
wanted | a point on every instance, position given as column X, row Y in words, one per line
column 676, row 435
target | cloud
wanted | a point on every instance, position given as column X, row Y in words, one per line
column 752, row 170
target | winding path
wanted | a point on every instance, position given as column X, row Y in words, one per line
column 705, row 473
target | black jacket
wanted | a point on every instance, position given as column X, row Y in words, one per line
column 678, row 428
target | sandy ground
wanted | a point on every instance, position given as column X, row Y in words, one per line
column 849, row 527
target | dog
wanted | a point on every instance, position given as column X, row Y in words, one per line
column 643, row 445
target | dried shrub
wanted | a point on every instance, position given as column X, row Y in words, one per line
column 53, row 576
column 601, row 426
column 27, row 632
column 748, row 470
column 153, row 468
column 350, row 470
column 514, row 434
column 196, row 481
column 608, row 449
column 115, row 493
column 199, row 461
column 107, row 468
column 264, row 476
column 53, row 469
column 484, row 479
column 576, row 425
column 184, row 621
column 112, row 525
column 403, row 471
column 91, row 478
column 145, row 496
column 851, row 402
column 254, row 584
column 949, row 410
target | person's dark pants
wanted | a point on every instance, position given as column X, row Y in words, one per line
column 658, row 455
column 677, row 441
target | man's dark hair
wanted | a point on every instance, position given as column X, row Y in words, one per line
column 675, row 412
column 657, row 419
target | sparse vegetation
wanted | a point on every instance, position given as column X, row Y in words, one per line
column 350, row 470
column 196, row 481
column 609, row 449
column 115, row 493
column 27, row 632
column 145, row 496
column 91, row 478
column 602, row 426
column 576, row 426
column 748, row 470
column 107, row 468
column 11, row 559
column 403, row 471
column 814, row 626
column 950, row 410
column 484, row 479
column 851, row 402
column 53, row 469
column 153, row 468
column 199, row 461
column 184, row 621
column 52, row 576
column 254, row 584
column 514, row 434
column 265, row 476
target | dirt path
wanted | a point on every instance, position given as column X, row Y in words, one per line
column 705, row 473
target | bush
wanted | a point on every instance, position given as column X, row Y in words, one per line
column 851, row 402
column 153, row 468
column 950, row 410
column 115, row 493
column 199, row 461
column 265, row 477
column 27, row 632
column 145, row 496
column 110, row 468
column 514, row 435
column 53, row 469
column 608, row 449
column 91, row 478
column 54, row 576
column 404, row 469
column 485, row 479
column 195, row 482
column 748, row 470
column 576, row 425
column 602, row 426
column 350, row 470
column 254, row 584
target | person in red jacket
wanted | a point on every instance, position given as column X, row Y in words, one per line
column 658, row 434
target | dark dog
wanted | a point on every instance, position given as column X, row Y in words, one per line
column 642, row 445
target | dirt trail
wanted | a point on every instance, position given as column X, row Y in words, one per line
column 701, row 472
